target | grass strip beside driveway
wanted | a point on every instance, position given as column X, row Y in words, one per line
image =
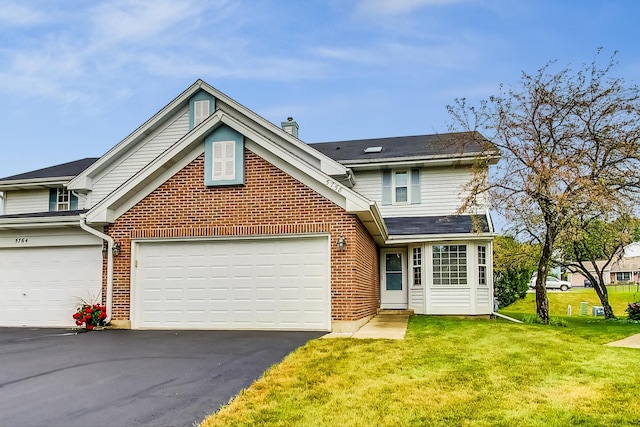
column 450, row 372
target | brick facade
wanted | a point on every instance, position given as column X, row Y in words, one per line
column 269, row 203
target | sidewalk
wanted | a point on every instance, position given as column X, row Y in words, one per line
column 631, row 342
column 391, row 326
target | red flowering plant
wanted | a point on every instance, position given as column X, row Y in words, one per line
column 90, row 315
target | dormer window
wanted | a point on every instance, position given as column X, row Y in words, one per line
column 61, row 199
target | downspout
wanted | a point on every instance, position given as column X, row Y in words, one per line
column 109, row 240
column 506, row 317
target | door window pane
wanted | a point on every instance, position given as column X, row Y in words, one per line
column 393, row 276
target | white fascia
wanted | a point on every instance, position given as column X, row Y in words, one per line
column 104, row 212
column 35, row 183
column 327, row 164
column 39, row 222
column 419, row 238
column 431, row 161
column 84, row 180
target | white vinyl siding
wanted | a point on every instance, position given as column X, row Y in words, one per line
column 441, row 191
column 26, row 201
column 144, row 153
column 470, row 299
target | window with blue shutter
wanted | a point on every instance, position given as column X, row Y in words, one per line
column 61, row 199
column 415, row 187
column 386, row 187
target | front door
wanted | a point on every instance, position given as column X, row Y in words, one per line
column 393, row 291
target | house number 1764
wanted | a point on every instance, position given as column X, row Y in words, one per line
column 22, row 239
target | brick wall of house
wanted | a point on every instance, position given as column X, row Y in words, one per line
column 270, row 202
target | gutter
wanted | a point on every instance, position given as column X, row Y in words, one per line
column 109, row 240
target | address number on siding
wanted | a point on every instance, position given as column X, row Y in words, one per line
column 22, row 240
column 334, row 185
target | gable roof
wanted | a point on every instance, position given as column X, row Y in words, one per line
column 58, row 174
column 433, row 147
column 57, row 171
column 268, row 130
column 187, row 148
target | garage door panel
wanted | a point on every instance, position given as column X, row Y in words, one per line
column 245, row 284
column 42, row 286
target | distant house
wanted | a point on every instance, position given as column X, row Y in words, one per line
column 208, row 216
column 624, row 269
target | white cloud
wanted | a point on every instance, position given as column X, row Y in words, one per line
column 438, row 54
column 135, row 21
column 17, row 14
column 398, row 7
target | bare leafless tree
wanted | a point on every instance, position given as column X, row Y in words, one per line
column 570, row 143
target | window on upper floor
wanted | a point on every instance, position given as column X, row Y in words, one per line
column 201, row 105
column 401, row 187
column 61, row 199
column 224, row 158
column 200, row 111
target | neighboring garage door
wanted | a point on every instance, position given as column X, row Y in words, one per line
column 41, row 286
column 275, row 284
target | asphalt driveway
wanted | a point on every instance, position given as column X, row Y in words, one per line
column 51, row 377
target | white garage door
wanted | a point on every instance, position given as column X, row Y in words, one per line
column 240, row 284
column 41, row 286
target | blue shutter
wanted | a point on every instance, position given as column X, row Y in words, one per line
column 415, row 187
column 53, row 199
column 386, row 187
column 73, row 202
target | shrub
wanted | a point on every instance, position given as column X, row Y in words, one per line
column 535, row 319
column 633, row 310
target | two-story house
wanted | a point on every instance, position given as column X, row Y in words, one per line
column 210, row 217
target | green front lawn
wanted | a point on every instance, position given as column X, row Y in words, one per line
column 619, row 297
column 453, row 372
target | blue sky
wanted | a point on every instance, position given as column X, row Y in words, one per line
column 78, row 76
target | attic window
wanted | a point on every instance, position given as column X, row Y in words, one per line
column 369, row 150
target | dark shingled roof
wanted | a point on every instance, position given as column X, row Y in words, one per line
column 57, row 171
column 45, row 214
column 450, row 224
column 404, row 146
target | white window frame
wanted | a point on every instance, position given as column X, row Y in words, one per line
column 394, row 186
column 456, row 274
column 482, row 265
column 200, row 111
column 63, row 200
column 621, row 274
column 417, row 264
column 223, row 161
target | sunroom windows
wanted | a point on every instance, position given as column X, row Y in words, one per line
column 449, row 265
